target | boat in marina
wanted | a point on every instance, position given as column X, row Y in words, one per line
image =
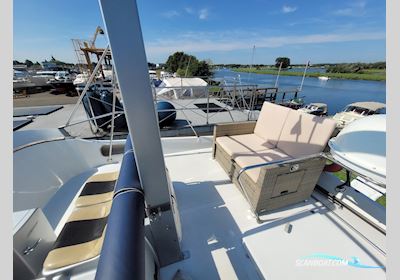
column 41, row 78
column 295, row 103
column 22, row 83
column 81, row 79
column 99, row 85
column 182, row 87
column 318, row 109
column 21, row 80
column 357, row 110
column 251, row 201
column 62, row 83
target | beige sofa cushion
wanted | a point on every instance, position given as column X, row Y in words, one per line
column 242, row 144
column 270, row 122
column 305, row 134
column 257, row 158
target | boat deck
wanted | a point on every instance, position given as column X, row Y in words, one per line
column 187, row 112
column 222, row 240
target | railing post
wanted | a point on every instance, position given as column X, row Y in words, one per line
column 208, row 103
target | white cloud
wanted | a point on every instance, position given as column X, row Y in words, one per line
column 189, row 10
column 360, row 4
column 170, row 14
column 203, row 42
column 344, row 12
column 288, row 9
column 203, row 14
column 354, row 9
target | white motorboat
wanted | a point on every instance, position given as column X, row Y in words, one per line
column 40, row 78
column 318, row 109
column 62, row 83
column 21, row 80
column 182, row 87
column 81, row 79
column 22, row 84
column 295, row 103
column 153, row 74
column 357, row 111
column 99, row 85
column 323, row 78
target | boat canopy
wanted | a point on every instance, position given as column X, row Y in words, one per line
column 361, row 146
column 179, row 87
column 184, row 82
column 372, row 106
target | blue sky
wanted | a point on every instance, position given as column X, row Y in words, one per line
column 223, row 31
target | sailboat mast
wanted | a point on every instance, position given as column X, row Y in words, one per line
column 304, row 75
column 277, row 77
column 252, row 61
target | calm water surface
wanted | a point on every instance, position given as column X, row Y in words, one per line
column 336, row 93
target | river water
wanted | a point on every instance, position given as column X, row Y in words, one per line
column 336, row 93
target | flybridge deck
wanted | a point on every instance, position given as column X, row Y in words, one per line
column 222, row 240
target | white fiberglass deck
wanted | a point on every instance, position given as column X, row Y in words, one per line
column 222, row 240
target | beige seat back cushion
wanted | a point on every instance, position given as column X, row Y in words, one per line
column 305, row 134
column 65, row 256
column 270, row 122
column 62, row 257
column 104, row 176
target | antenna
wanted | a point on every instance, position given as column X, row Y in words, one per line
column 304, row 75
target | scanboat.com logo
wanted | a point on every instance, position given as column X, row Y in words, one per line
column 329, row 260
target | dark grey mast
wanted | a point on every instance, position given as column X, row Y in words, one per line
column 121, row 20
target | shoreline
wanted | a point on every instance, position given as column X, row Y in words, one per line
column 338, row 76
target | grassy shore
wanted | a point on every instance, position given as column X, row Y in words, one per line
column 368, row 74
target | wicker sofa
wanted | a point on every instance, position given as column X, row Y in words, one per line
column 278, row 157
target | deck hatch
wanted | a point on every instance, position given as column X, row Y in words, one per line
column 212, row 107
column 35, row 111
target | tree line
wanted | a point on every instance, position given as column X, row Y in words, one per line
column 354, row 67
column 186, row 65
column 331, row 67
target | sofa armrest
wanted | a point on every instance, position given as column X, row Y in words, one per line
column 268, row 179
column 227, row 129
column 236, row 128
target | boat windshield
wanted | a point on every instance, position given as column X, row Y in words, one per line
column 359, row 110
